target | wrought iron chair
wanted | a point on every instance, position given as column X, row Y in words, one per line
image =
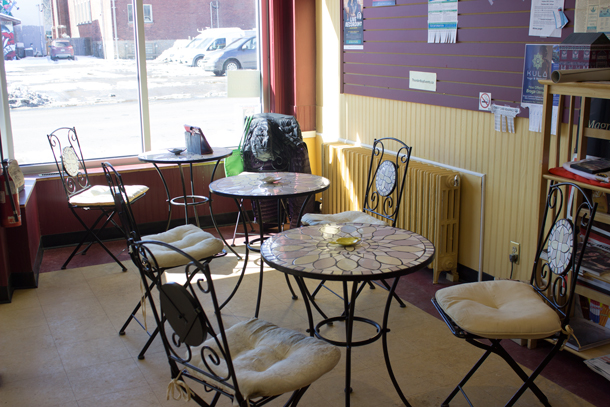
column 383, row 194
column 252, row 362
column 189, row 238
column 538, row 309
column 81, row 195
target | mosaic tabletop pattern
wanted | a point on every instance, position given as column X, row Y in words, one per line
column 165, row 157
column 279, row 184
column 382, row 251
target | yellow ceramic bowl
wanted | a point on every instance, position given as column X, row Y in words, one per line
column 347, row 241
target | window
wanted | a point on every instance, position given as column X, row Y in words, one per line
column 98, row 89
column 147, row 13
column 82, row 11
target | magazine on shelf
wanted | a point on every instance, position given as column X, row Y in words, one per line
column 587, row 334
column 592, row 165
column 600, row 365
column 596, row 259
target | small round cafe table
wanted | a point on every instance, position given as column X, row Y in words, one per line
column 268, row 185
column 352, row 254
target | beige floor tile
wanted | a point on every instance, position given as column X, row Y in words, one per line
column 67, row 331
column 142, row 396
column 100, row 379
column 16, row 340
column 16, row 317
column 91, row 352
column 43, row 391
column 29, row 363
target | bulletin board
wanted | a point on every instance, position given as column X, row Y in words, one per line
column 487, row 57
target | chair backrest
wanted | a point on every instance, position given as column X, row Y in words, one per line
column 122, row 207
column 565, row 228
column 69, row 160
column 386, row 178
column 184, row 323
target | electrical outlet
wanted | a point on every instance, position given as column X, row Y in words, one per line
column 515, row 250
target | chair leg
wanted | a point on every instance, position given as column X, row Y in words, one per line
column 528, row 381
column 461, row 384
column 90, row 232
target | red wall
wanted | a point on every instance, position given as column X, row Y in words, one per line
column 56, row 217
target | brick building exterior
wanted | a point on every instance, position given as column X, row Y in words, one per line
column 165, row 22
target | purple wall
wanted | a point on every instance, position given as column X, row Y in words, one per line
column 488, row 55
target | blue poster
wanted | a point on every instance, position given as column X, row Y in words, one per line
column 538, row 60
column 377, row 3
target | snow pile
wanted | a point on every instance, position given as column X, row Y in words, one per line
column 22, row 97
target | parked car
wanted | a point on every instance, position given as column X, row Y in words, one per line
column 208, row 41
column 241, row 54
column 61, row 49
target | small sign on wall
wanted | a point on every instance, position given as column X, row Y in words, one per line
column 422, row 80
column 485, row 101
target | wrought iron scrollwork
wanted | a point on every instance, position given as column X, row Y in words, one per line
column 386, row 178
column 559, row 252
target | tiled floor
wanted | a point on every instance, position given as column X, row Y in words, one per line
column 59, row 345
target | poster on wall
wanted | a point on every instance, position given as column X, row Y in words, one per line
column 377, row 3
column 538, row 65
column 352, row 24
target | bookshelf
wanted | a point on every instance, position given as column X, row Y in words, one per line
column 557, row 149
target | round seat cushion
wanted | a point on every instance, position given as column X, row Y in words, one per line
column 188, row 238
column 313, row 219
column 500, row 309
column 269, row 360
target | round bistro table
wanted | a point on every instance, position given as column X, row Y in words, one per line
column 251, row 185
column 187, row 199
column 382, row 252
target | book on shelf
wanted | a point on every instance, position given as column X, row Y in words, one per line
column 600, row 365
column 592, row 165
column 587, row 334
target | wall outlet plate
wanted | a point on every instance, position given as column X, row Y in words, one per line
column 515, row 249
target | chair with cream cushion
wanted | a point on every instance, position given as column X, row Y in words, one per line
column 81, row 195
column 538, row 309
column 252, row 362
column 383, row 193
column 190, row 239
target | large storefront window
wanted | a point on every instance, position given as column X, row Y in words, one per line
column 75, row 65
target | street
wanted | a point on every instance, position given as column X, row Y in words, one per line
column 99, row 99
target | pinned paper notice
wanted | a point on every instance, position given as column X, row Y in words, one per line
column 535, row 116
column 442, row 21
column 505, row 117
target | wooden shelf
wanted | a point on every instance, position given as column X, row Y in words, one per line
column 589, row 353
column 560, row 148
column 583, row 185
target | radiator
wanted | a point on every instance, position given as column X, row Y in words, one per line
column 430, row 205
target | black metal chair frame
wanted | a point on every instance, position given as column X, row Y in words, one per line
column 376, row 203
column 123, row 210
column 76, row 181
column 556, row 288
column 181, row 309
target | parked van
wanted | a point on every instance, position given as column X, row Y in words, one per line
column 209, row 40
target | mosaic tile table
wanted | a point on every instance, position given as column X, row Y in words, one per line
column 381, row 252
column 262, row 186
